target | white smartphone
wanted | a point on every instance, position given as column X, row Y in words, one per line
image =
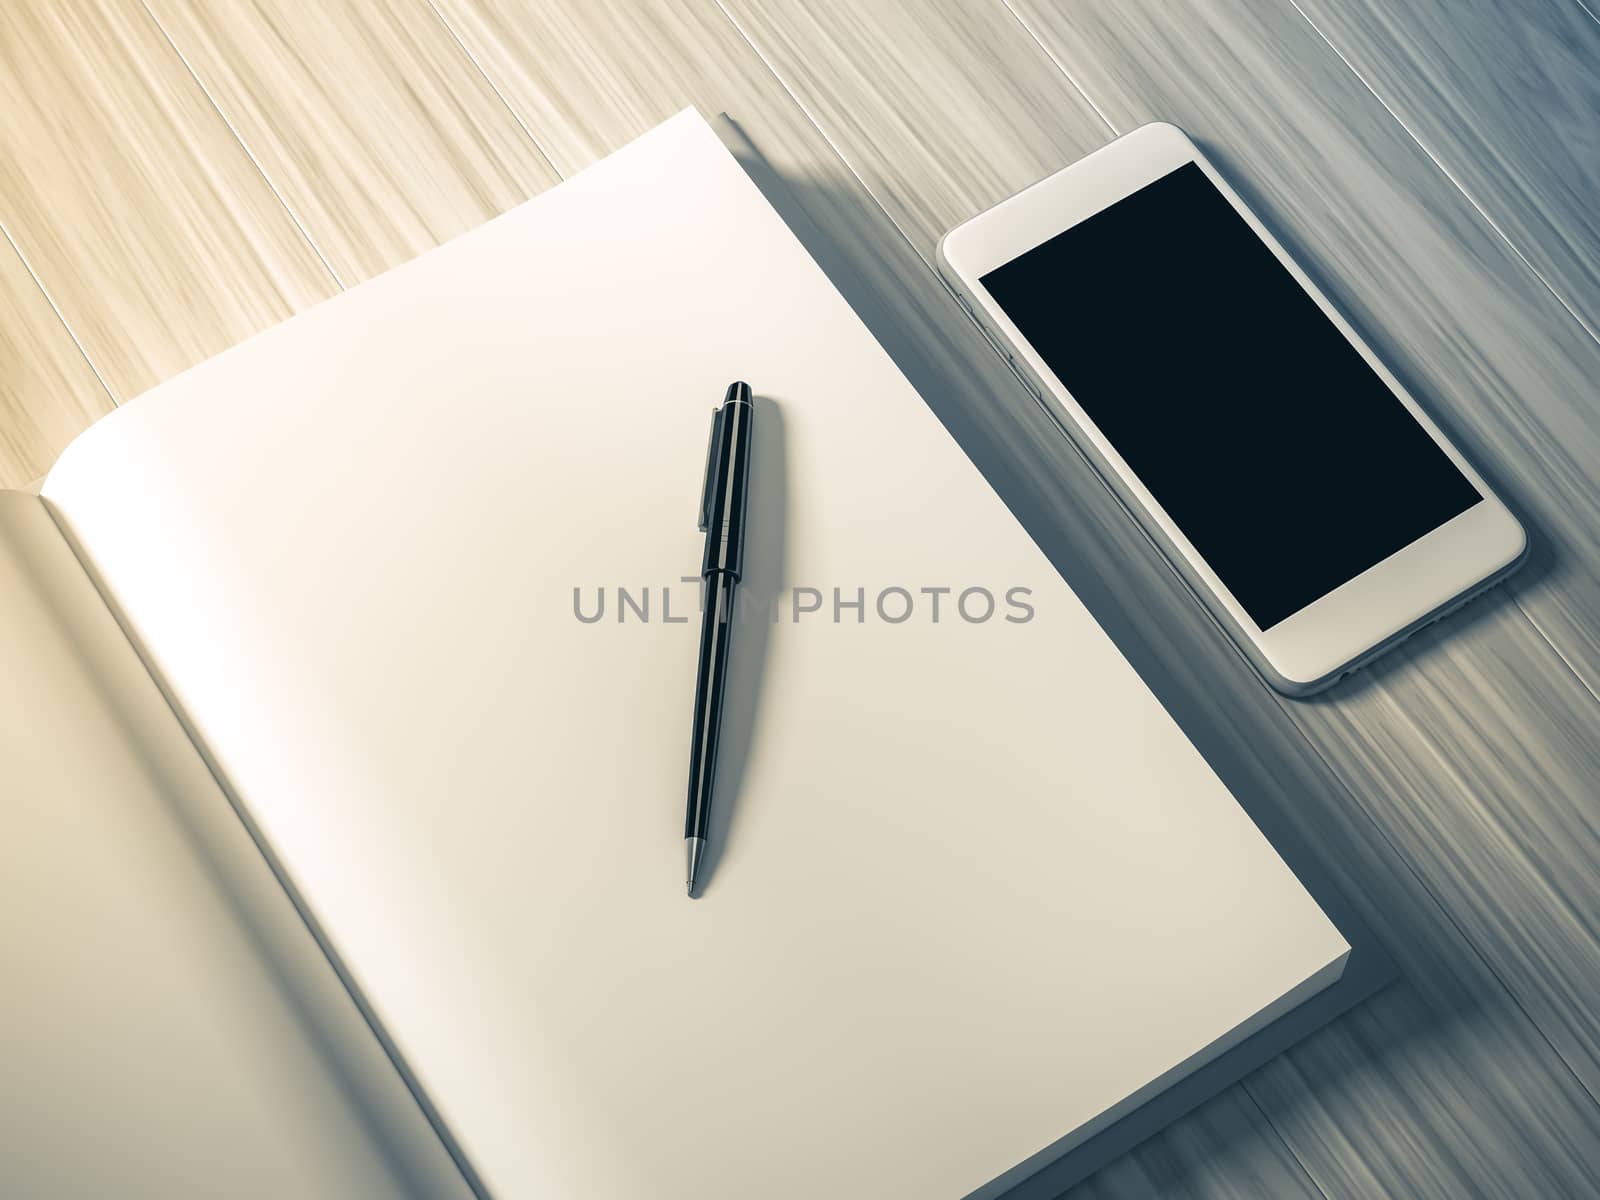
column 1303, row 494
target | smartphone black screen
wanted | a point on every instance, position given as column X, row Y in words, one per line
column 1263, row 433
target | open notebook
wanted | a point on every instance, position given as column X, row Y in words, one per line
column 973, row 894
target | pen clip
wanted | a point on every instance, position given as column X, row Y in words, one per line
column 711, row 458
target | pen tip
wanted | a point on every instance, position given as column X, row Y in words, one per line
column 693, row 846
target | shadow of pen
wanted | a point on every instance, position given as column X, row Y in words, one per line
column 758, row 603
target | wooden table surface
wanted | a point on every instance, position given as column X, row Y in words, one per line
column 177, row 174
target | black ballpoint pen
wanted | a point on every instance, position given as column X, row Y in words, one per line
column 722, row 511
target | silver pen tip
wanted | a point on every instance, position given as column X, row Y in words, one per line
column 693, row 847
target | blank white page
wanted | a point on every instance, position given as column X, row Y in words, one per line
column 973, row 892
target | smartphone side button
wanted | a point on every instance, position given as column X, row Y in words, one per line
column 994, row 342
column 1024, row 377
column 1002, row 350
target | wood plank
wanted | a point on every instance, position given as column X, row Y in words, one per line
column 1350, row 1106
column 587, row 77
column 1214, row 1151
column 864, row 76
column 368, row 118
column 927, row 78
column 1506, row 97
column 125, row 192
column 48, row 394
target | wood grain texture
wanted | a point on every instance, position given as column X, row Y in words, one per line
column 586, row 78
column 48, row 393
column 1214, row 1151
column 941, row 119
column 1506, row 97
column 367, row 117
column 138, row 210
column 925, row 80
column 1437, row 705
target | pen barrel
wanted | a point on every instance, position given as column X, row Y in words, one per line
column 716, row 631
column 728, row 484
